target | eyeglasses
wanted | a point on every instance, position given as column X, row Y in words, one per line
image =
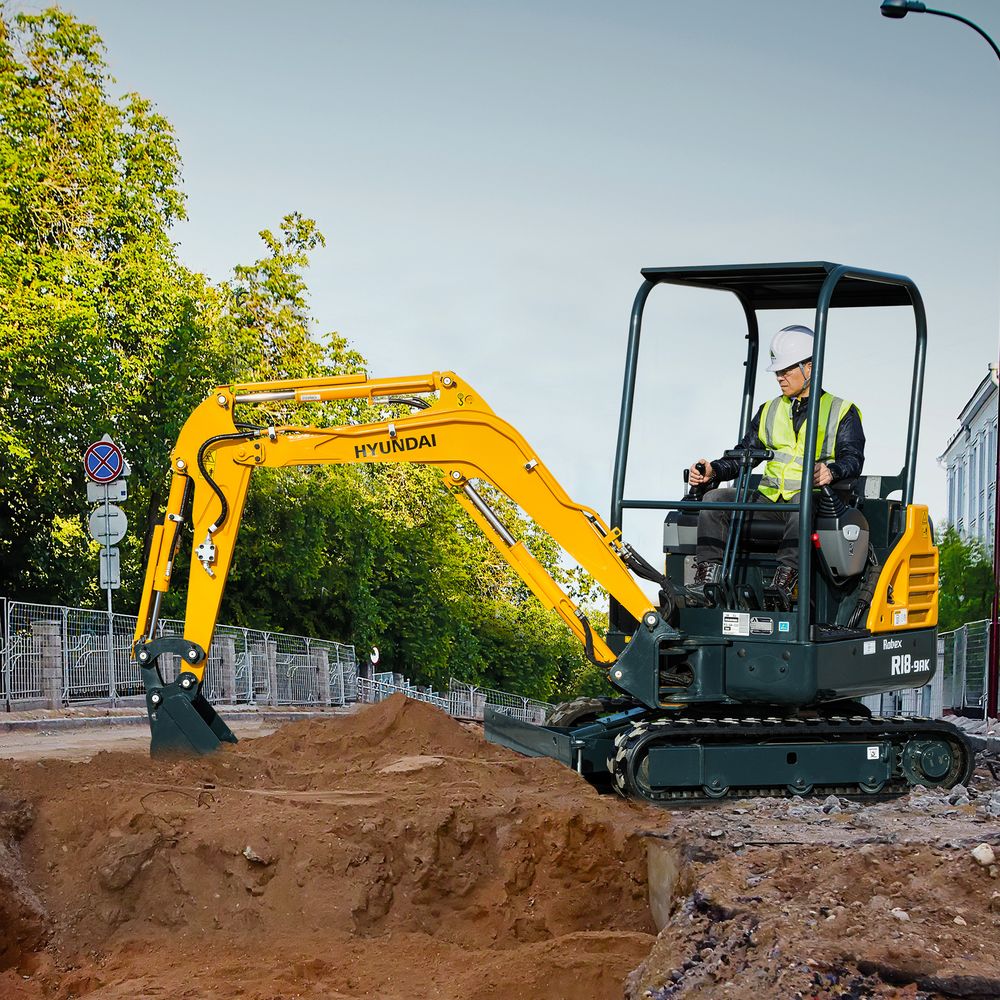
column 785, row 372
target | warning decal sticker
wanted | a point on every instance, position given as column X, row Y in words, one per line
column 735, row 623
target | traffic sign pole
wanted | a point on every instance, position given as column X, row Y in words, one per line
column 112, row 689
column 106, row 469
column 107, row 548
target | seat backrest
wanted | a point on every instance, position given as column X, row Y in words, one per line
column 760, row 535
column 878, row 487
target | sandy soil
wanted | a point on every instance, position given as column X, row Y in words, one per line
column 395, row 854
column 82, row 744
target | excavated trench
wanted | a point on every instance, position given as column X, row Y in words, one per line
column 396, row 854
column 390, row 853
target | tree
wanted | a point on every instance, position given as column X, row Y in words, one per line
column 966, row 581
column 102, row 328
column 92, row 297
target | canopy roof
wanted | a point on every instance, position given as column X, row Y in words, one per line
column 789, row 286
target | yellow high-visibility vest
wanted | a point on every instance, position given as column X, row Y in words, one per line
column 782, row 478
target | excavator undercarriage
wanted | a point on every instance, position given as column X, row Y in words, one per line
column 696, row 759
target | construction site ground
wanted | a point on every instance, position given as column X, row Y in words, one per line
column 393, row 853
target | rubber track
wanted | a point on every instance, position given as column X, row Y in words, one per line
column 631, row 744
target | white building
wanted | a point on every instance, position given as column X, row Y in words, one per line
column 970, row 459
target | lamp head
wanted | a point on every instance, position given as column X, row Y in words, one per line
column 900, row 8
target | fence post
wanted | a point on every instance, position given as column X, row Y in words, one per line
column 5, row 690
column 958, row 658
column 319, row 659
column 271, row 652
column 248, row 660
column 227, row 667
column 65, row 650
column 48, row 647
column 987, row 639
column 342, row 677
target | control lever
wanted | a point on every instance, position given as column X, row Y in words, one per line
column 696, row 492
column 829, row 504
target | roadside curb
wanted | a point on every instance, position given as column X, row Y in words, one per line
column 101, row 721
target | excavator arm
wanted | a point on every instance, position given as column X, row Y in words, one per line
column 450, row 427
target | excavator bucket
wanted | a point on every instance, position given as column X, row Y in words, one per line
column 185, row 723
column 181, row 719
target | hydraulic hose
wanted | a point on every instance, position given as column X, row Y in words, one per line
column 224, row 512
column 867, row 592
column 588, row 641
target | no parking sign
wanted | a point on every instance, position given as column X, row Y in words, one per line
column 106, row 469
column 103, row 461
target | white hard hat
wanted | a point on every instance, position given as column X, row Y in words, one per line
column 789, row 346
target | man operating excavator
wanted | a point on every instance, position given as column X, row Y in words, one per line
column 779, row 426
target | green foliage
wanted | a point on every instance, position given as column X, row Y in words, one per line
column 383, row 553
column 92, row 298
column 102, row 328
column 966, row 572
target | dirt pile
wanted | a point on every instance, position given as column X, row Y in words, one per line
column 393, row 853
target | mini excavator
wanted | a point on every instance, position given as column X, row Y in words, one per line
column 742, row 697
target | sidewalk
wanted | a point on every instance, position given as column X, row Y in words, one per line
column 86, row 716
column 79, row 733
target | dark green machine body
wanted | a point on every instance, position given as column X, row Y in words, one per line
column 761, row 717
column 765, row 670
column 746, row 697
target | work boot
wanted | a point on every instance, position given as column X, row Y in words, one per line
column 784, row 585
column 704, row 573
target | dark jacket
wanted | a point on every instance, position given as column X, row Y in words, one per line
column 849, row 450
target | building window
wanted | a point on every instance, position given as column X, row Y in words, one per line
column 993, row 454
column 982, row 478
column 990, row 512
column 970, row 483
column 960, row 497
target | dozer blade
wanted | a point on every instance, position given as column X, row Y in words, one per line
column 526, row 737
column 185, row 723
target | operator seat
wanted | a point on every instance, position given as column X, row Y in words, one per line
column 754, row 559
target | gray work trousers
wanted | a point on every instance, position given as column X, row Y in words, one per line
column 713, row 526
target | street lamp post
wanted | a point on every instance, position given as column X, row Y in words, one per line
column 897, row 9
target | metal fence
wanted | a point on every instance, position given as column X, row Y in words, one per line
column 384, row 685
column 919, row 701
column 51, row 656
column 963, row 659
column 461, row 700
column 468, row 701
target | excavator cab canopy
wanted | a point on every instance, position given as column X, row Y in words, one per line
column 790, row 286
column 819, row 285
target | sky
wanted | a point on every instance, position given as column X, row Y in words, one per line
column 491, row 177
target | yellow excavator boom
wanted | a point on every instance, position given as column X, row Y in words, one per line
column 449, row 427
